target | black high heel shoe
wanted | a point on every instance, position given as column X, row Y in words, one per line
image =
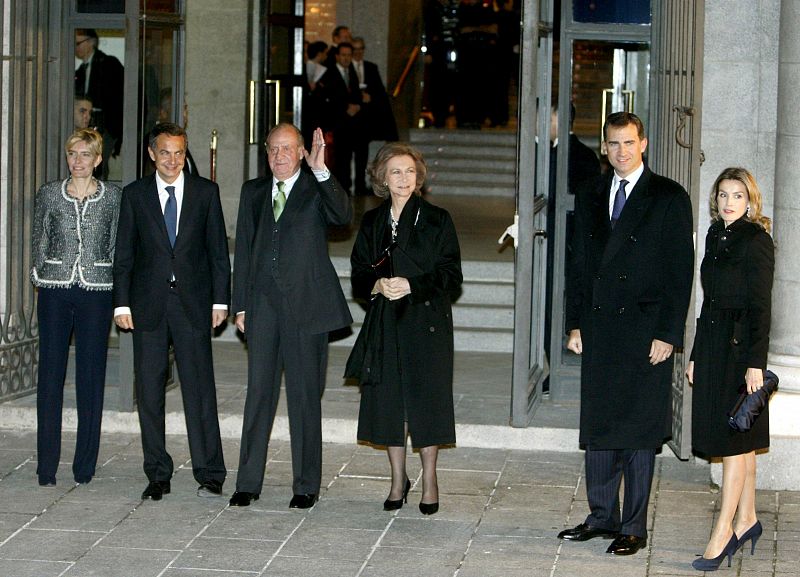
column 703, row 564
column 394, row 504
column 752, row 534
column 428, row 508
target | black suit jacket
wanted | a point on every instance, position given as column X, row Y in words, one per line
column 298, row 262
column 336, row 97
column 629, row 285
column 378, row 116
column 106, row 81
column 145, row 262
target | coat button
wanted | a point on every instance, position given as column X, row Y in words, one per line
column 432, row 329
column 632, row 238
column 596, row 308
column 427, row 303
column 623, row 276
column 597, row 277
column 621, row 310
column 724, row 238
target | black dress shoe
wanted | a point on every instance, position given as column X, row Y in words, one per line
column 303, row 501
column 242, row 498
column 626, row 545
column 45, row 481
column 584, row 532
column 429, row 508
column 394, row 504
column 155, row 490
column 210, row 489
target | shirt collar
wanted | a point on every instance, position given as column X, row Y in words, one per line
column 632, row 179
column 289, row 183
column 162, row 185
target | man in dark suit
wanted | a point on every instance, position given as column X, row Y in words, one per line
column 342, row 111
column 338, row 35
column 172, row 285
column 101, row 79
column 627, row 298
column 376, row 111
column 286, row 288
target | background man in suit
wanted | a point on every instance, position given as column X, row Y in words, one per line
column 343, row 111
column 286, row 288
column 627, row 298
column 377, row 121
column 172, row 279
column 100, row 77
column 338, row 35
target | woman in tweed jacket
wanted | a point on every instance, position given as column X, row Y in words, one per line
column 74, row 231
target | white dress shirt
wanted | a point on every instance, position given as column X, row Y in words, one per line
column 632, row 179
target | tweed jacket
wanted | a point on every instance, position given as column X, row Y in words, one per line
column 73, row 241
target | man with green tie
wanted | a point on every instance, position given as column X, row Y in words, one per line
column 287, row 298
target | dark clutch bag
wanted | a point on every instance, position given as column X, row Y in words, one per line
column 384, row 266
column 749, row 406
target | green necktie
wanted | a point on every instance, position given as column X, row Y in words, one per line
column 280, row 200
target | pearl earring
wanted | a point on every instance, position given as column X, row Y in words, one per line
column 747, row 213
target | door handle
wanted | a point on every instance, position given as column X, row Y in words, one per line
column 540, row 233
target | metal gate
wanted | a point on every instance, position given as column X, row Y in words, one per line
column 29, row 154
column 674, row 150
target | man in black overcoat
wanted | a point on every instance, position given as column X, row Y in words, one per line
column 287, row 298
column 172, row 285
column 627, row 297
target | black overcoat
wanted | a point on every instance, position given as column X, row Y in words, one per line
column 417, row 372
column 628, row 286
column 732, row 334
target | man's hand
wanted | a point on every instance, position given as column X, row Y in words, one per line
column 353, row 109
column 574, row 342
column 659, row 351
column 365, row 97
column 316, row 158
column 218, row 317
column 240, row 321
column 690, row 372
column 125, row 322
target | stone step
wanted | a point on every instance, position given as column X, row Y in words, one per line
column 453, row 162
column 432, row 151
column 476, row 175
column 462, row 188
column 472, row 137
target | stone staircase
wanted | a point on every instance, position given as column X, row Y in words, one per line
column 468, row 162
column 483, row 315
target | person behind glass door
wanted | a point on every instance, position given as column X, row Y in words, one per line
column 74, row 228
column 730, row 348
column 413, row 395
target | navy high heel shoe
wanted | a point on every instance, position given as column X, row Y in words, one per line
column 703, row 564
column 394, row 504
column 752, row 534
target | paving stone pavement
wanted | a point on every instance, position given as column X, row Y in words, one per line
column 500, row 512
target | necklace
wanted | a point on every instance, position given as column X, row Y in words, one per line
column 82, row 195
column 394, row 223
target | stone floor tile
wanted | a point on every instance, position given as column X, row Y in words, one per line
column 464, row 482
column 532, row 498
column 83, row 516
column 24, row 568
column 349, row 514
column 49, row 545
column 254, row 524
column 465, row 508
column 412, row 562
column 321, row 543
column 154, row 533
column 472, row 459
column 428, row 533
column 11, row 522
column 538, row 473
column 283, row 566
column 120, row 562
column 231, row 554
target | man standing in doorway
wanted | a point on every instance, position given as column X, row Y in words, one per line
column 627, row 297
column 172, row 285
column 287, row 298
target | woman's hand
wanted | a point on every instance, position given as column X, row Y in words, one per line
column 754, row 378
column 392, row 288
column 690, row 372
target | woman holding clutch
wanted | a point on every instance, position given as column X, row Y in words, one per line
column 730, row 348
column 406, row 263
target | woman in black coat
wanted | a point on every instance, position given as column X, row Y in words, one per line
column 409, row 330
column 730, row 348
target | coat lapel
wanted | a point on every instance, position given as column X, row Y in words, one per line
column 635, row 209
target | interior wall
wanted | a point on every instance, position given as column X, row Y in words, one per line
column 216, row 92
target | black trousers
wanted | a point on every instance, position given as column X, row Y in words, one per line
column 196, row 369
column 605, row 470
column 88, row 314
column 276, row 344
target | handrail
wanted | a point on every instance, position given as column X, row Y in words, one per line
column 412, row 57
